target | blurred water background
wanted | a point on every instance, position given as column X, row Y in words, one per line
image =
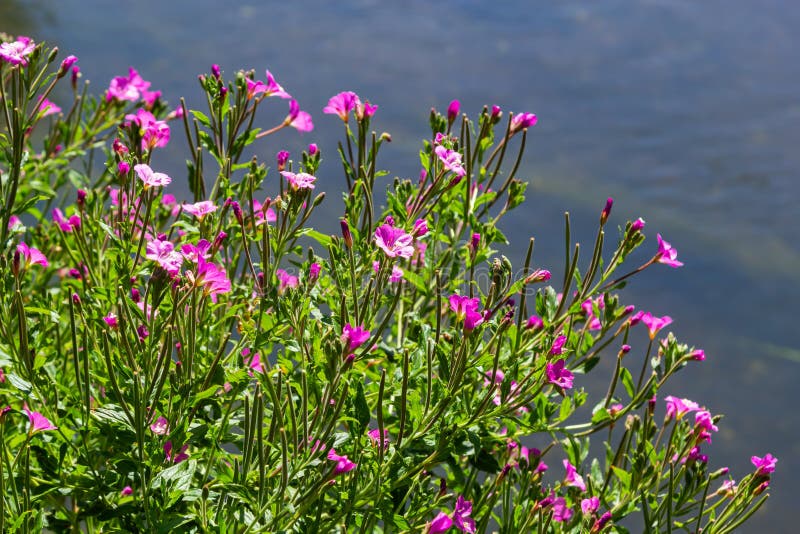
column 686, row 112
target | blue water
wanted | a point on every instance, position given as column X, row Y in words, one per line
column 686, row 112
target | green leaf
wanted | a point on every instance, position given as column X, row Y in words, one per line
column 112, row 414
column 360, row 408
column 20, row 383
column 204, row 120
column 627, row 381
column 179, row 475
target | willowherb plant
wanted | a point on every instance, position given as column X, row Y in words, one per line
column 215, row 364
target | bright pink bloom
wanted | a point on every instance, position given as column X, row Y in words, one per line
column 341, row 104
column 163, row 253
column 703, row 425
column 213, row 279
column 637, row 225
column 395, row 242
column 200, row 209
column 451, row 160
column 397, row 274
column 286, row 281
column 313, row 271
column 111, row 320
column 666, row 254
column 297, row 119
column 679, row 407
column 588, row 306
column 441, row 523
column 364, row 110
column 179, row 457
column 375, row 437
column 38, row 421
column 558, row 345
column 561, row 512
column 150, row 178
column 193, row 252
column 14, row 221
column 558, row 375
column 354, row 337
column 461, row 515
column 128, row 87
column 534, row 322
column 254, row 361
column 601, row 522
column 466, row 309
column 300, row 180
column 420, row 228
column 452, row 111
column 160, row 427
column 127, row 490
column 522, row 121
column 17, row 52
column 262, row 215
column 698, row 355
column 31, row 255
column 654, row 324
column 590, row 505
column 255, row 87
column 573, row 478
column 764, row 466
column 154, row 132
column 46, row 107
column 343, row 463
column 274, row 89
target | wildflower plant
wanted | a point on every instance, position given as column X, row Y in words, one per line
column 198, row 358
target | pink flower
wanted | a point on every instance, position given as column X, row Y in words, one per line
column 38, row 421
column 558, row 345
column 31, row 255
column 354, row 337
column 179, row 457
column 397, row 274
column 654, row 324
column 466, row 309
column 46, row 107
column 420, row 228
column 461, row 515
column 300, row 180
column 588, row 306
column 561, row 512
column 440, row 523
column 160, row 427
column 637, row 225
column 395, row 242
column 666, row 254
column 63, row 222
column 213, row 279
column 254, row 361
column 452, row 111
column 703, row 425
column 200, row 209
column 194, row 252
column 262, row 215
column 534, row 323
column 364, row 110
column 286, row 281
column 573, row 478
column 451, row 160
column 539, row 275
column 590, row 505
column 343, row 463
column 163, row 253
column 127, row 88
column 14, row 221
column 679, row 407
column 341, row 104
column 522, row 121
column 698, row 355
column 313, row 271
column 601, row 522
column 764, row 466
column 375, row 437
column 150, row 178
column 254, row 87
column 111, row 320
column 273, row 88
column 606, row 210
column 300, row 120
column 127, row 490
column 558, row 375
column 17, row 52
column 154, row 132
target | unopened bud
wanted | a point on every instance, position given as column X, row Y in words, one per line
column 606, row 211
column 66, row 65
column 452, row 111
column 346, row 235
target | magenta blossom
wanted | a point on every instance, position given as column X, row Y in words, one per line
column 561, row 512
column 154, row 132
column 522, row 121
column 343, row 463
column 193, row 252
column 200, row 209
column 637, row 225
column 397, row 274
column 299, row 181
column 111, row 320
column 704, row 425
column 179, row 457
column 364, row 110
column 150, row 178
column 441, row 523
column 273, row 88
column 17, row 52
column 558, row 375
column 297, row 119
column 395, row 242
column 374, row 436
column 654, row 324
column 160, row 427
column 342, row 104
column 127, row 490
column 573, row 478
column 38, row 421
column 461, row 515
column 253, row 362
column 590, row 505
column 452, row 111
column 679, row 407
column 46, row 107
column 764, row 466
column 163, row 253
column 66, row 225
column 354, row 337
column 534, row 323
column 558, row 345
column 666, row 254
column 698, row 355
column 451, row 160
column 128, row 88
column 213, row 279
column 31, row 255
column 286, row 281
column 466, row 309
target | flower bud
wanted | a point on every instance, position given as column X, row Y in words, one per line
column 312, row 149
column 346, row 235
column 420, row 228
column 282, row 157
column 452, row 111
column 81, row 201
column 215, row 71
column 606, row 211
column 637, row 225
column 475, row 242
column 68, row 62
column 76, row 72
column 76, row 299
